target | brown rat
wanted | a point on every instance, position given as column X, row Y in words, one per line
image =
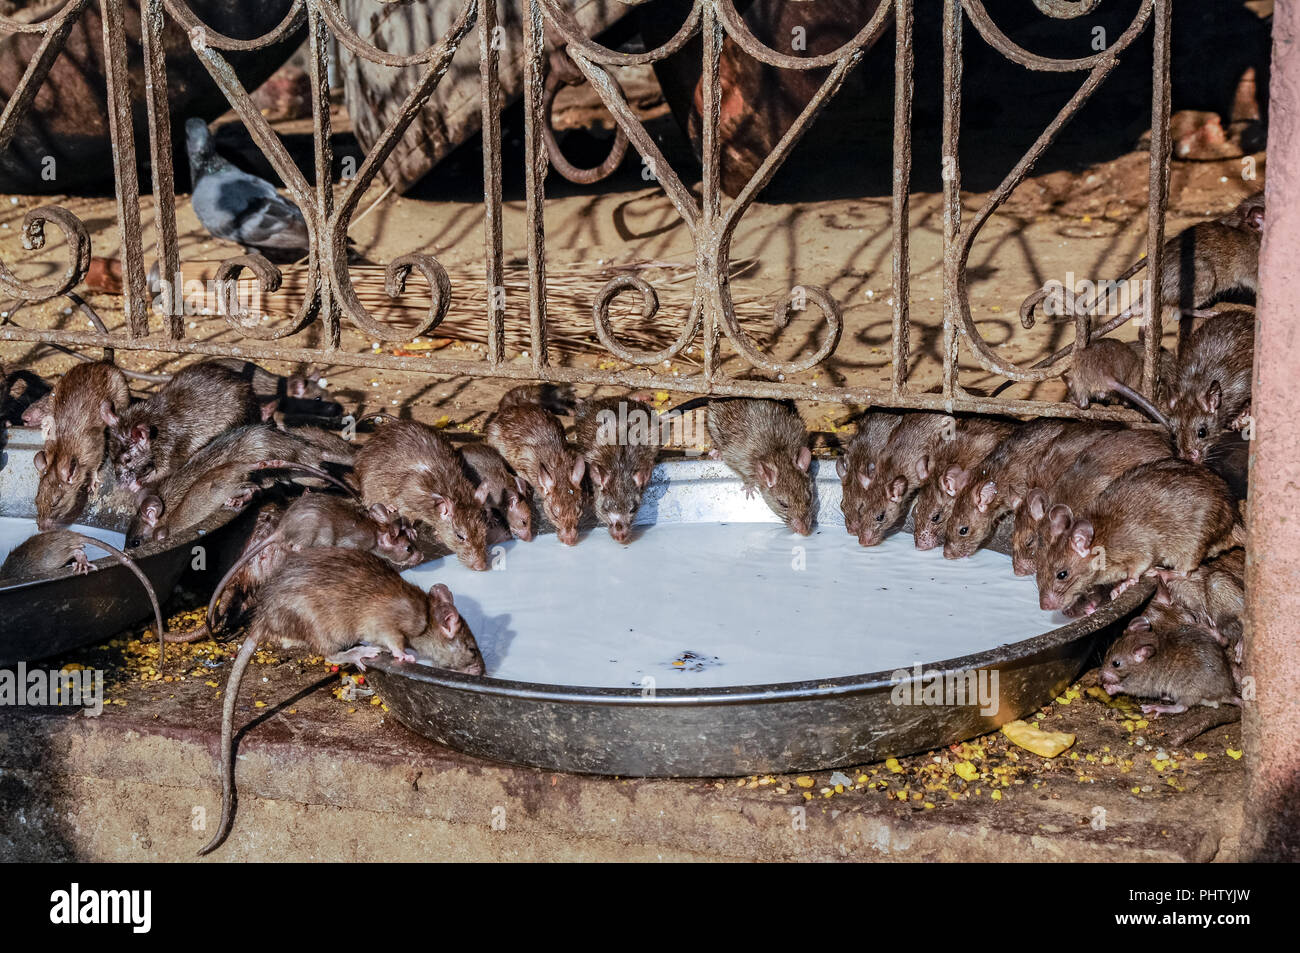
column 1199, row 265
column 74, row 439
column 619, row 439
column 1108, row 368
column 999, row 484
column 766, row 444
column 1179, row 667
column 557, row 398
column 26, row 398
column 1209, row 259
column 413, row 469
column 220, row 474
column 1109, row 456
column 1213, row 595
column 151, row 439
column 531, row 439
column 858, row 464
column 1170, row 514
column 947, row 471
column 898, row 471
column 45, row 554
column 1210, row 393
column 316, row 519
column 382, row 612
column 502, row 492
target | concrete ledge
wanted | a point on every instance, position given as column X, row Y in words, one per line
column 323, row 779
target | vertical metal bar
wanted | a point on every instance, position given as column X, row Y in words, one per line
column 903, row 67
column 116, row 76
column 160, row 146
column 1158, row 195
column 318, row 41
column 536, row 164
column 951, row 174
column 490, row 88
column 708, row 263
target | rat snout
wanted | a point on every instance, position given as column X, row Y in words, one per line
column 620, row 530
column 1194, row 455
column 475, row 667
column 1110, row 681
column 1023, row 567
column 476, row 561
column 801, row 526
column 925, row 540
column 568, row 535
column 1049, row 601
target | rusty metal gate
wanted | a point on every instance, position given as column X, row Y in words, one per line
column 712, row 222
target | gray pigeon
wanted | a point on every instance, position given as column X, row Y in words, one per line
column 239, row 207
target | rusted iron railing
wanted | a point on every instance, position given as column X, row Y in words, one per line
column 711, row 221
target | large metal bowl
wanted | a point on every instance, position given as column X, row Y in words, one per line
column 754, row 729
column 41, row 618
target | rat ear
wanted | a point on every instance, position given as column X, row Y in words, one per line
column 897, row 487
column 40, row 461
column 140, row 435
column 443, row 504
column 642, row 476
column 923, row 467
column 1211, row 398
column 579, row 468
column 1059, row 519
column 1037, row 503
column 767, row 473
column 107, row 415
column 954, row 480
column 841, row 467
column 1144, row 651
column 1162, row 594
column 439, row 592
column 1255, row 219
column 1139, row 624
column 803, row 459
column 864, row 478
column 269, row 408
column 1081, row 536
column 481, row 494
column 598, row 476
column 67, row 469
column 521, row 485
column 379, row 513
column 986, row 495
column 545, row 480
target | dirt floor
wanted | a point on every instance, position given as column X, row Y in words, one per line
column 1086, row 219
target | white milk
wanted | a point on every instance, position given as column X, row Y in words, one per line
column 14, row 532
column 752, row 602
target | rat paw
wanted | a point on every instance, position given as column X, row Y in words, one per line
column 81, row 564
column 1163, row 709
column 403, row 656
column 1122, row 588
column 355, row 656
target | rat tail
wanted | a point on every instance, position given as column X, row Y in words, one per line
column 1141, row 403
column 293, row 465
column 131, row 564
column 227, row 754
column 240, row 563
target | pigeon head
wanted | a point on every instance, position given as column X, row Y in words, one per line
column 198, row 143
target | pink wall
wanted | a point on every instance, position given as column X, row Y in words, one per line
column 1272, row 720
